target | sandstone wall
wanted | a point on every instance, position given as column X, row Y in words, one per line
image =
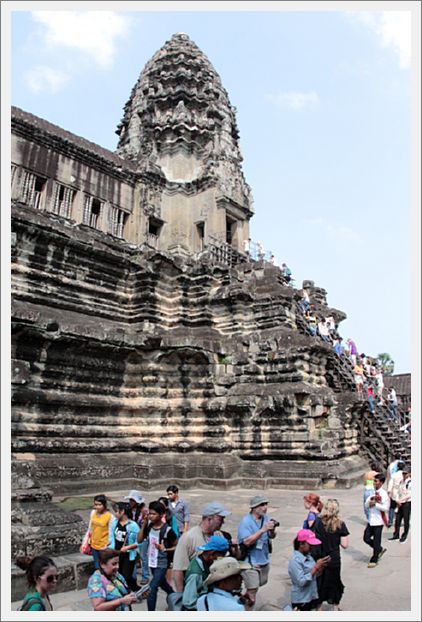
column 116, row 349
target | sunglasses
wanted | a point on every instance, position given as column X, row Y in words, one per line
column 51, row 578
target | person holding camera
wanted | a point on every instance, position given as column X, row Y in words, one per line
column 254, row 534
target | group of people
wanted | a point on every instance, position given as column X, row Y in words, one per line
column 204, row 567
column 256, row 251
column 315, row 565
column 386, row 507
column 368, row 375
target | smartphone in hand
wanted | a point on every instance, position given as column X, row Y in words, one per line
column 141, row 593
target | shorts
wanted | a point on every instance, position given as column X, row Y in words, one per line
column 256, row 576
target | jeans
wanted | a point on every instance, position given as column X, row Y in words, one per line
column 144, row 560
column 393, row 411
column 158, row 580
column 372, row 537
column 96, row 557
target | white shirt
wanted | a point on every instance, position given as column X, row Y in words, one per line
column 405, row 490
column 392, row 397
column 393, row 485
column 375, row 517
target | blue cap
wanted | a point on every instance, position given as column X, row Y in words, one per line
column 215, row 543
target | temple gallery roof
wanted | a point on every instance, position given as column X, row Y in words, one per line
column 34, row 124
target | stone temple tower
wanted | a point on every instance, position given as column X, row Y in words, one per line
column 179, row 130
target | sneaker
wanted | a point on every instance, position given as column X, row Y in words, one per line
column 382, row 553
column 372, row 564
column 394, row 538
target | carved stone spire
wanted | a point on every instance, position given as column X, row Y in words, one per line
column 179, row 122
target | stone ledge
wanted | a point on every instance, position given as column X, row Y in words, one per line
column 74, row 570
column 190, row 470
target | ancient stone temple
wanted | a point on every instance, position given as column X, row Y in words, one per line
column 147, row 346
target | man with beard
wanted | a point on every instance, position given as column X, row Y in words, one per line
column 254, row 532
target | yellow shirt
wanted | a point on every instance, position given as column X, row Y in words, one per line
column 99, row 530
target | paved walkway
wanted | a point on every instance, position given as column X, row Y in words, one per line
column 384, row 588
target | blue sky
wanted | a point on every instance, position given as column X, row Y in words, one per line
column 323, row 104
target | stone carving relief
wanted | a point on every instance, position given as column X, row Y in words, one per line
column 178, row 235
column 151, row 201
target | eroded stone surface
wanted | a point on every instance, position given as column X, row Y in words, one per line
column 146, row 346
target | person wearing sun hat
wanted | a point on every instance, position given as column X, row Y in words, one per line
column 137, row 503
column 199, row 568
column 303, row 571
column 225, row 579
column 254, row 532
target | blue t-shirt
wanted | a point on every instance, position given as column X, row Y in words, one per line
column 258, row 553
column 219, row 600
column 311, row 517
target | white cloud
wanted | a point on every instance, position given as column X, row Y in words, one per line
column 294, row 99
column 94, row 32
column 335, row 231
column 392, row 29
column 42, row 78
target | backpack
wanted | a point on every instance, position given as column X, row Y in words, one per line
column 164, row 530
column 162, row 538
column 31, row 600
column 244, row 549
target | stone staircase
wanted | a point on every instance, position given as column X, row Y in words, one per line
column 381, row 437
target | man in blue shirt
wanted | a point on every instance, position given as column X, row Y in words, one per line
column 226, row 581
column 255, row 531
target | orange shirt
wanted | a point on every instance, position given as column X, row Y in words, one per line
column 99, row 529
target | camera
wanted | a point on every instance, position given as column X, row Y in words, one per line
column 276, row 523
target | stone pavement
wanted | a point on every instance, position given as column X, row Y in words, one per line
column 384, row 588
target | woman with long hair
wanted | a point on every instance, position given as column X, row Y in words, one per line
column 314, row 505
column 333, row 533
column 107, row 588
column 124, row 532
column 41, row 575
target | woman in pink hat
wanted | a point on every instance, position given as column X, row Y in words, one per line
column 303, row 571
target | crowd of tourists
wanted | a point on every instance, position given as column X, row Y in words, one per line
column 256, row 252
column 204, row 567
column 368, row 374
